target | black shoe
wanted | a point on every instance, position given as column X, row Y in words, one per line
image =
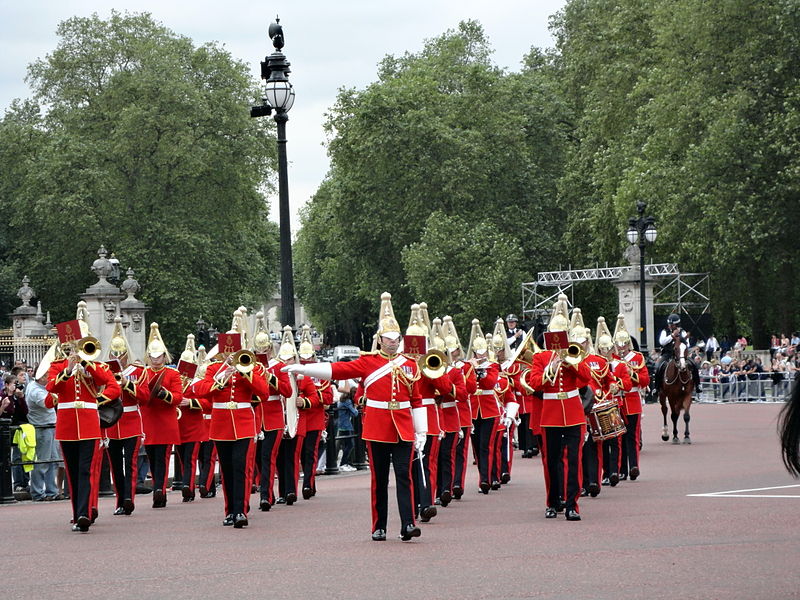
column 445, row 498
column 561, row 506
column 253, row 489
column 264, row 506
column 495, row 485
column 550, row 513
column 534, row 452
column 505, row 477
column 606, row 481
column 379, row 535
column 239, row 521
column 280, row 500
column 623, row 477
column 188, row 493
column 83, row 523
column 177, row 486
column 573, row 515
column 128, row 506
column 159, row 499
column 457, row 492
column 410, row 531
column 427, row 513
column 228, row 521
column 307, row 493
column 291, row 498
column 485, row 487
column 119, row 511
column 212, row 493
column 584, row 493
column 614, row 479
column 594, row 489
column 95, row 514
column 203, row 491
column 143, row 489
column 634, row 473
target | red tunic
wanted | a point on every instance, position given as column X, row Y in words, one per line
column 160, row 416
column 130, row 423
column 640, row 380
column 561, row 406
column 391, row 390
column 312, row 400
column 76, row 415
column 449, row 421
column 270, row 411
column 430, row 390
column 232, row 414
column 315, row 414
column 484, row 400
column 192, row 423
column 464, row 405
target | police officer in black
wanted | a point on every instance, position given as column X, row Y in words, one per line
column 667, row 339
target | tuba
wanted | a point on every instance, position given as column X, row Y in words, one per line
column 433, row 364
column 243, row 361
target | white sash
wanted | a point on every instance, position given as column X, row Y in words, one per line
column 378, row 373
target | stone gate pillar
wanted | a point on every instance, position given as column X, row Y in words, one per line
column 628, row 287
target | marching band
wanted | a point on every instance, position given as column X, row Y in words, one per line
column 422, row 403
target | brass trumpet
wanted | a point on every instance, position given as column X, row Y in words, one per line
column 88, row 348
column 574, row 354
column 243, row 361
column 433, row 364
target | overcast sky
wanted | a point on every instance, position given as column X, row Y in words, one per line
column 329, row 44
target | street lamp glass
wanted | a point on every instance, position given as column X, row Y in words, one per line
column 650, row 234
column 280, row 94
column 632, row 235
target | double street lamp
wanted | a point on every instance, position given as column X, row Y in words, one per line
column 278, row 99
column 641, row 231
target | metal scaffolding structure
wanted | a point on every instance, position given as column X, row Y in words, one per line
column 681, row 292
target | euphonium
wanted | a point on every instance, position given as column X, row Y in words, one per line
column 433, row 364
column 574, row 354
column 88, row 348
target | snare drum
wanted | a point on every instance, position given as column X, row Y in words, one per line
column 605, row 421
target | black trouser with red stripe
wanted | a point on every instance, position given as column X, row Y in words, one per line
column 289, row 465
column 482, row 440
column 309, row 458
column 78, row 456
column 124, row 466
column 381, row 456
column 187, row 453
column 612, row 455
column 447, row 458
column 421, row 471
column 208, row 462
column 462, row 454
column 592, row 460
column 630, row 443
column 235, row 474
column 524, row 433
column 158, row 455
column 562, row 448
column 269, row 460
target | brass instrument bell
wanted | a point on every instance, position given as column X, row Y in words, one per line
column 88, row 348
column 433, row 364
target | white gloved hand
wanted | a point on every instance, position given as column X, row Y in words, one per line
column 506, row 421
column 419, row 441
column 296, row 369
column 461, row 434
column 324, row 435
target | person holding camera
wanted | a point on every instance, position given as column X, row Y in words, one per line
column 14, row 407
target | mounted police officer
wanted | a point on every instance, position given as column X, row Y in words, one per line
column 669, row 336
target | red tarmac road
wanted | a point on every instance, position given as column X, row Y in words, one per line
column 690, row 528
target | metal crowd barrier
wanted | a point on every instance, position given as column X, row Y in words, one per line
column 762, row 389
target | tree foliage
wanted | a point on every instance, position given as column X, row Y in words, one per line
column 143, row 143
column 442, row 131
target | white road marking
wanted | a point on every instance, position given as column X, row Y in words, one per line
column 739, row 494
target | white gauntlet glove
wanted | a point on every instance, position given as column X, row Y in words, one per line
column 420, row 418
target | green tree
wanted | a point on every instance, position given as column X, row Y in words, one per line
column 146, row 147
column 440, row 130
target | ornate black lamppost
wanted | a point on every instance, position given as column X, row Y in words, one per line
column 642, row 231
column 278, row 99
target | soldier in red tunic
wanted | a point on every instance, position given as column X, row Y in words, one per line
column 207, row 457
column 563, row 420
column 77, row 385
column 315, row 418
column 228, row 389
column 160, row 413
column 190, row 422
column 395, row 421
column 447, row 404
column 485, row 411
column 640, row 381
column 463, row 406
column 125, row 436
